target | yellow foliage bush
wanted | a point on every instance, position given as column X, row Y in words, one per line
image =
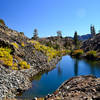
column 15, row 45
column 33, row 51
column 48, row 51
column 78, row 52
column 24, row 65
column 91, row 54
column 6, row 57
column 14, row 67
column 22, row 44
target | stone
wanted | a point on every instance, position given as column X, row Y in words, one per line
column 87, row 88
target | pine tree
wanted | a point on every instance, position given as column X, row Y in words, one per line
column 59, row 33
column 92, row 29
column 35, row 34
column 76, row 39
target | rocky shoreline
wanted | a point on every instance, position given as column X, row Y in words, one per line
column 14, row 82
column 78, row 88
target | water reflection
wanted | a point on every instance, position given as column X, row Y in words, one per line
column 92, row 70
column 59, row 69
column 37, row 77
column 76, row 67
column 46, row 72
column 93, row 65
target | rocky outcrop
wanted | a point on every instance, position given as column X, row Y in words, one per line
column 92, row 44
column 78, row 88
column 12, row 82
column 58, row 42
column 15, row 81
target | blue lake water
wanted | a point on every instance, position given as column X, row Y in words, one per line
column 66, row 68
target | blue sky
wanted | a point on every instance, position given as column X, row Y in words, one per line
column 49, row 16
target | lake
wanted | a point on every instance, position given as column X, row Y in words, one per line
column 46, row 83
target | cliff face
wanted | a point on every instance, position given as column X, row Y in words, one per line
column 92, row 44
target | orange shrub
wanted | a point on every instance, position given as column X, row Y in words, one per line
column 77, row 53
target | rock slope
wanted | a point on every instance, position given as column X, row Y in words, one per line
column 92, row 44
column 58, row 42
column 14, row 81
column 78, row 88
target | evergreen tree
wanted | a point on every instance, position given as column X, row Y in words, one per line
column 92, row 29
column 59, row 33
column 35, row 34
column 76, row 39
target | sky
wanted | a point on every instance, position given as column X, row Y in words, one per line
column 49, row 16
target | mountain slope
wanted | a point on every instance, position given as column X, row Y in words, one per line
column 92, row 44
column 84, row 37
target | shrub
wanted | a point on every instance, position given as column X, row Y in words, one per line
column 91, row 54
column 48, row 51
column 22, row 44
column 77, row 53
column 68, row 51
column 22, row 33
column 6, row 57
column 48, row 44
column 34, row 51
column 24, row 65
column 56, row 46
column 15, row 66
column 2, row 22
column 62, row 52
column 15, row 45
